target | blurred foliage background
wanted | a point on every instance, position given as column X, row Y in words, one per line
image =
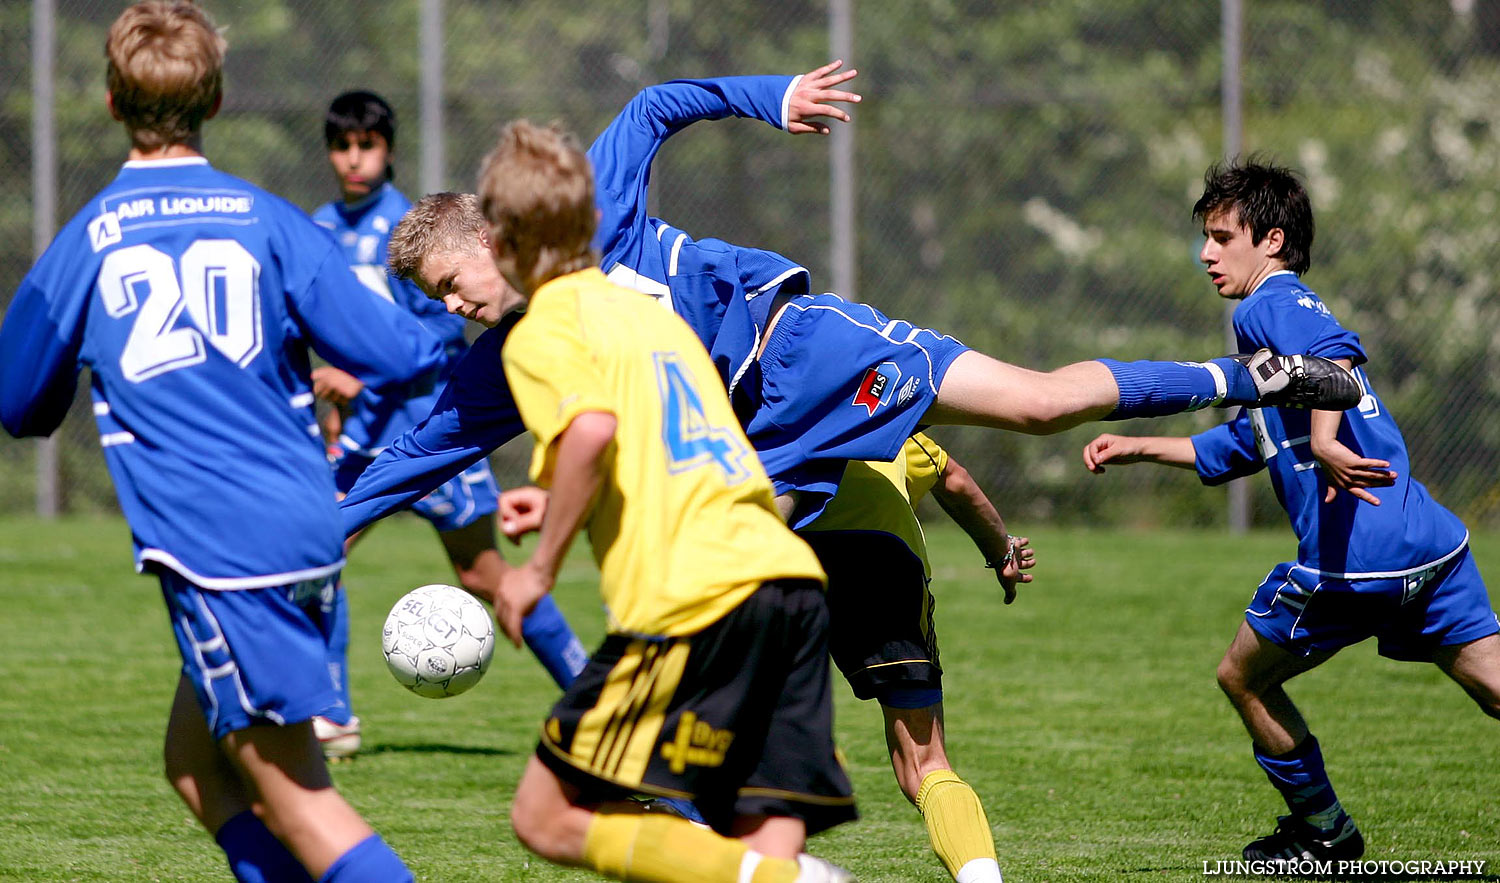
column 1024, row 179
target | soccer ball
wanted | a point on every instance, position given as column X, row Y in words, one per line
column 438, row 641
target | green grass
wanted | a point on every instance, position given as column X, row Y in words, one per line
column 1085, row 715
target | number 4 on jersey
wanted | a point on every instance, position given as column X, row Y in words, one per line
column 690, row 439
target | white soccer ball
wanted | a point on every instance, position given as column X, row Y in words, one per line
column 438, row 641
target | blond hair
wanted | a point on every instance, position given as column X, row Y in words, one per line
column 165, row 71
column 440, row 223
column 536, row 190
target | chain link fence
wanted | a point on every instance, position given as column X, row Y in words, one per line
column 1023, row 180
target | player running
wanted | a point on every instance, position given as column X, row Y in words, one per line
column 712, row 682
column 359, row 130
column 192, row 297
column 1395, row 566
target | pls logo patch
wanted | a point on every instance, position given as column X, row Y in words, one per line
column 877, row 386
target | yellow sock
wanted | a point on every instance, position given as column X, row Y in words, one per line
column 956, row 824
column 664, row 849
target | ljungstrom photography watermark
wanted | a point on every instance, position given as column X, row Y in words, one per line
column 1375, row 869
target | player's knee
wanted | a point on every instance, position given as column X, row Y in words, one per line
column 1486, row 696
column 1233, row 682
column 537, row 832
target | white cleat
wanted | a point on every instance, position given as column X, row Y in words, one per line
column 817, row 870
column 338, row 740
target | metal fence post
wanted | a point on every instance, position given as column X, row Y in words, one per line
column 842, row 236
column 43, row 202
column 1233, row 31
column 434, row 147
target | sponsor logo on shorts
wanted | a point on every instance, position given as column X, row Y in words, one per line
column 877, row 386
column 696, row 743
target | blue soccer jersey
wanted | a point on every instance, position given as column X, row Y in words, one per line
column 192, row 297
column 1345, row 539
column 723, row 291
column 363, row 231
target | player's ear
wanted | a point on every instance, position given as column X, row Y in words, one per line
column 1275, row 240
column 213, row 110
column 109, row 102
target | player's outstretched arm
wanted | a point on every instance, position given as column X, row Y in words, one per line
column 1119, row 450
column 966, row 503
column 475, row 415
column 811, row 96
column 578, row 472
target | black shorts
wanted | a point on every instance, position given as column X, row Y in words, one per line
column 880, row 611
column 738, row 717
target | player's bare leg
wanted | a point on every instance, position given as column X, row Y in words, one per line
column 197, row 770
column 983, row 391
column 914, row 737
column 1475, row 666
column 294, row 795
column 1251, row 675
column 211, row 787
column 475, row 557
column 547, row 817
column 622, row 841
column 979, row 390
column 956, row 823
column 775, row 836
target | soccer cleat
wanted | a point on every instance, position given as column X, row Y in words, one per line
column 338, row 740
column 817, row 870
column 1295, row 839
column 1301, row 381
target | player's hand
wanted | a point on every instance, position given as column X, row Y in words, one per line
column 1345, row 470
column 334, row 385
column 810, row 99
column 521, row 511
column 1110, row 448
column 1022, row 559
column 519, row 591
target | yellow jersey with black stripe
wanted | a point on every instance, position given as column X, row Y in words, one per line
column 876, row 495
column 685, row 526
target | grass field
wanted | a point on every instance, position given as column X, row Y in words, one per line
column 1086, row 716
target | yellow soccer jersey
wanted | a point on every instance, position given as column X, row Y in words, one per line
column 685, row 525
column 881, row 496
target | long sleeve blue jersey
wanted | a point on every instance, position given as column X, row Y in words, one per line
column 723, row 291
column 192, row 297
column 363, row 232
column 1345, row 538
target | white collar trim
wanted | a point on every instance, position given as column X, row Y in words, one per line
column 166, row 163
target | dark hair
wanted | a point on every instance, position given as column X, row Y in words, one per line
column 361, row 111
column 1264, row 196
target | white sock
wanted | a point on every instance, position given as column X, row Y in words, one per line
column 979, row 870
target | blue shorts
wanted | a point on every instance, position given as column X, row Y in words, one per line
column 1302, row 611
column 458, row 502
column 841, row 381
column 255, row 656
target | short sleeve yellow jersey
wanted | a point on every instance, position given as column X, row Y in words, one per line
column 685, row 526
column 883, row 496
